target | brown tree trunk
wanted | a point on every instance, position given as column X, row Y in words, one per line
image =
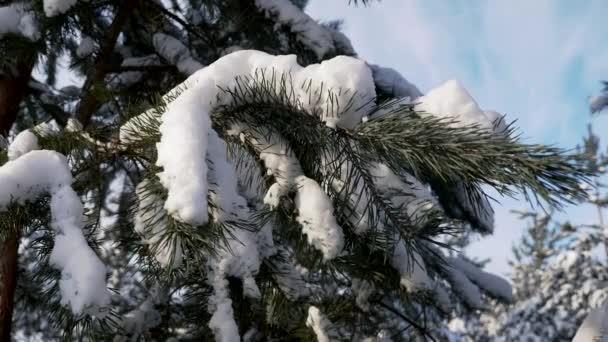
column 8, row 283
column 13, row 88
column 90, row 102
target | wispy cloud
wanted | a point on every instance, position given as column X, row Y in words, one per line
column 536, row 61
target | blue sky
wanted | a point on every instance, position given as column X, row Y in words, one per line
column 536, row 61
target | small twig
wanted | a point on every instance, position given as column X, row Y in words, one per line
column 90, row 102
column 416, row 326
column 179, row 20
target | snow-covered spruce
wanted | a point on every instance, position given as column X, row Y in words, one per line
column 37, row 173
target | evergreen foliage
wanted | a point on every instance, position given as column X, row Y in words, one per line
column 391, row 188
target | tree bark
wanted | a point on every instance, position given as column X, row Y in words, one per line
column 13, row 88
column 8, row 283
column 90, row 102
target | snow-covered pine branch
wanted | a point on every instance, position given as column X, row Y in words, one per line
column 305, row 195
column 33, row 173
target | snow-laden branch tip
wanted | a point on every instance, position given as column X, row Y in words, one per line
column 16, row 19
column 391, row 82
column 496, row 286
column 38, row 173
column 594, row 327
column 176, row 53
column 317, row 321
column 56, row 7
column 186, row 119
column 451, row 100
column 310, row 33
column 86, row 47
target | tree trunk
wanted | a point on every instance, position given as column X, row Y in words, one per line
column 8, row 283
column 13, row 88
column 90, row 101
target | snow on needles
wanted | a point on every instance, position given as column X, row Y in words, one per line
column 315, row 210
column 15, row 19
column 451, row 100
column 308, row 31
column 176, row 53
column 318, row 323
column 33, row 174
column 187, row 117
column 594, row 327
column 86, row 47
column 24, row 142
column 57, row 7
column 494, row 285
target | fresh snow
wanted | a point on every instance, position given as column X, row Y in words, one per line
column 467, row 290
column 290, row 279
column 186, row 119
column 317, row 321
column 23, row 143
column 594, row 327
column 15, row 19
column 451, row 100
column 315, row 210
column 405, row 192
column 86, row 47
column 176, row 53
column 82, row 283
column 316, row 215
column 126, row 79
column 308, row 32
column 141, row 319
column 57, row 7
column 241, row 256
column 493, row 284
column 185, row 123
column 411, row 268
column 391, row 82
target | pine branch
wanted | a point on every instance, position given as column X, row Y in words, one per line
column 431, row 146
